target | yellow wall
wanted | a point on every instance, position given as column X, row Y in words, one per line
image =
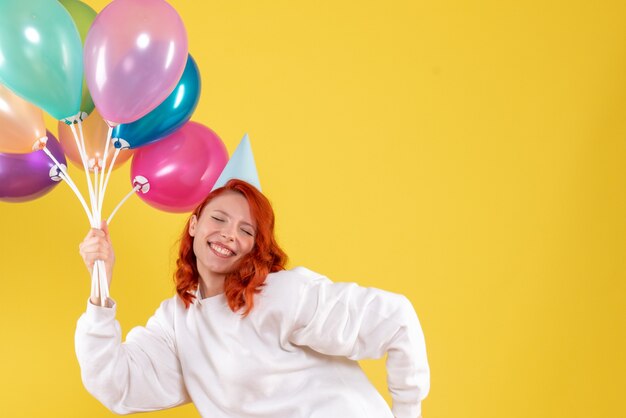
column 470, row 155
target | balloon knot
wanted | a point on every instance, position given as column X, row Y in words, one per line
column 120, row 143
column 72, row 120
column 55, row 172
column 40, row 143
column 141, row 184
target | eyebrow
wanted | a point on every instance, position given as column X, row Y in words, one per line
column 227, row 214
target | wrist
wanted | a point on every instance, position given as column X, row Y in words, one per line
column 97, row 301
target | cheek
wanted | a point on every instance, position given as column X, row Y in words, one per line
column 249, row 246
column 196, row 246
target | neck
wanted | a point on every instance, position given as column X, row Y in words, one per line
column 211, row 285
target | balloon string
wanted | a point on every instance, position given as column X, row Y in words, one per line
column 99, row 283
column 106, row 181
column 80, row 197
column 104, row 169
column 84, row 157
column 96, row 195
column 95, row 291
column 90, row 184
column 119, row 205
column 96, row 214
column 94, row 203
column 103, row 283
column 65, row 176
column 80, row 144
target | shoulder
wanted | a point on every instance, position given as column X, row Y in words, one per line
column 292, row 280
column 169, row 306
column 300, row 280
column 312, row 291
column 284, row 289
column 167, row 311
column 297, row 274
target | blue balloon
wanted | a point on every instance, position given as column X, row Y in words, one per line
column 170, row 115
column 41, row 55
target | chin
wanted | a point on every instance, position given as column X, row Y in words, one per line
column 222, row 270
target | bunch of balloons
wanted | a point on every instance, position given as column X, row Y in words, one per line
column 121, row 83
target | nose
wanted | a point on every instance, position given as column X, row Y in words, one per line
column 228, row 234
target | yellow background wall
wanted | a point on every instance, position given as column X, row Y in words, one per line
column 470, row 155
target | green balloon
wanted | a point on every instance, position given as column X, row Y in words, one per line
column 41, row 57
column 83, row 16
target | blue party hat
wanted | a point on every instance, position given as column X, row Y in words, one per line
column 240, row 166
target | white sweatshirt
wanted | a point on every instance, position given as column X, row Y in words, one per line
column 293, row 356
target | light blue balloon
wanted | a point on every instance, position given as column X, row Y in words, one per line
column 166, row 118
column 41, row 55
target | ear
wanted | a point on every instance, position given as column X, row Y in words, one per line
column 193, row 222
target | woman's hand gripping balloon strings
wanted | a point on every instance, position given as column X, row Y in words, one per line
column 96, row 249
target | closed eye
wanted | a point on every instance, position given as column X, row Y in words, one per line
column 247, row 232
column 217, row 219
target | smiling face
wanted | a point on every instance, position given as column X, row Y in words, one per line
column 222, row 235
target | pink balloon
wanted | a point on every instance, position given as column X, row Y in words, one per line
column 180, row 168
column 134, row 55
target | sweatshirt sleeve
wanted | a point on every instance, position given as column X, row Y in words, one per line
column 345, row 319
column 141, row 374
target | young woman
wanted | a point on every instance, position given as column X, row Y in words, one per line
column 246, row 338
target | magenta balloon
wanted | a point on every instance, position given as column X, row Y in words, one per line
column 25, row 177
column 135, row 53
column 181, row 168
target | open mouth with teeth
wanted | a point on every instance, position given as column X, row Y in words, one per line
column 221, row 250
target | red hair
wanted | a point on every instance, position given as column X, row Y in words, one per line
column 248, row 278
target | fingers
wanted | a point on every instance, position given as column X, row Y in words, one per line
column 105, row 228
column 96, row 246
column 95, row 233
column 91, row 251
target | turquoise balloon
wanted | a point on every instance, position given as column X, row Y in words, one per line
column 41, row 55
column 167, row 117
